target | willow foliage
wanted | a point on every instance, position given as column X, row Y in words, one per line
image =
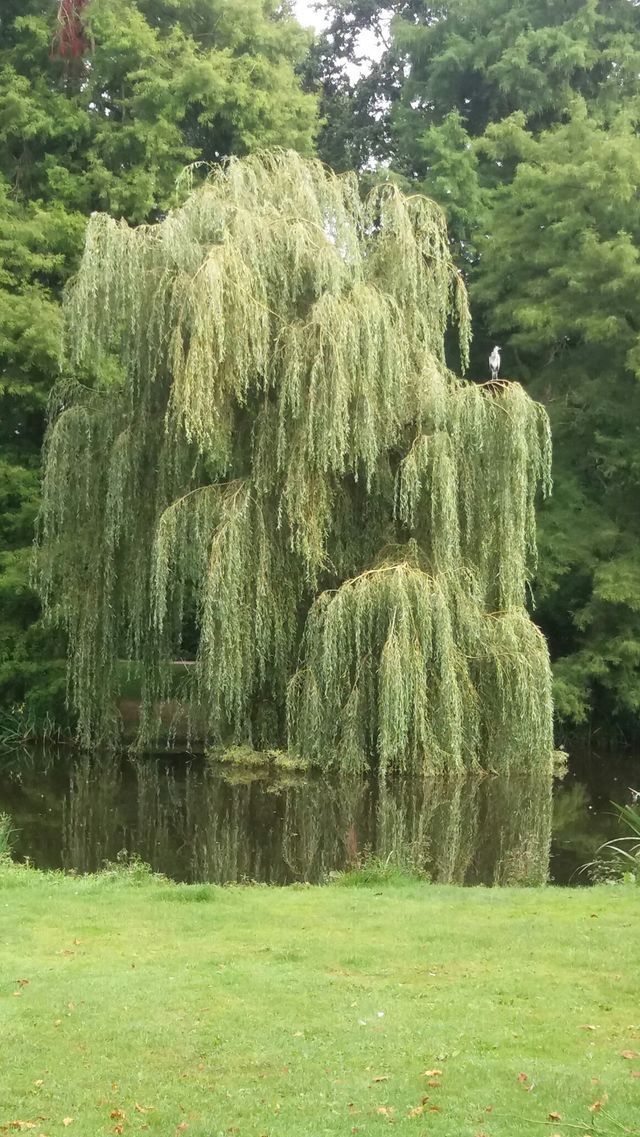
column 289, row 487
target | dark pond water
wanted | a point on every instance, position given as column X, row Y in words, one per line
column 196, row 821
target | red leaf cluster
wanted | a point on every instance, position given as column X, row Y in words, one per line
column 71, row 41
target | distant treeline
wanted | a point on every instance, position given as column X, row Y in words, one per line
column 520, row 117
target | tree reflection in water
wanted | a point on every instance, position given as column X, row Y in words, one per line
column 199, row 822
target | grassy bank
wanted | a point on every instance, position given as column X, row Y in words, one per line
column 130, row 1005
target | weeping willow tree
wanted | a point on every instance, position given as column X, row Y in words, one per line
column 265, row 467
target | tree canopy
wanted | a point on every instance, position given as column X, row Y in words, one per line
column 566, row 289
column 159, row 84
column 520, row 119
column 283, row 481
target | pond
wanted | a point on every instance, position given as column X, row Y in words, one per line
column 197, row 821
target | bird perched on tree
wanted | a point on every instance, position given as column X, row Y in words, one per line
column 494, row 362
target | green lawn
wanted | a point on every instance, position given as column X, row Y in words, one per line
column 131, row 1007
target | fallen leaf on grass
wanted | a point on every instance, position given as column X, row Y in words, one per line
column 118, row 1129
column 17, row 994
column 386, row 1110
column 629, row 1054
column 22, row 982
column 417, row 1112
column 67, row 1121
column 432, row 1074
column 597, row 1105
column 149, row 1109
column 434, row 1083
column 117, row 1114
column 555, row 1116
column 181, row 1127
column 381, row 1078
column 40, row 1082
column 525, row 1078
column 588, row 1026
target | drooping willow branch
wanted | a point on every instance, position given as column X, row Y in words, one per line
column 269, row 469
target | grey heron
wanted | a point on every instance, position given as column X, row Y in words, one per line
column 494, row 362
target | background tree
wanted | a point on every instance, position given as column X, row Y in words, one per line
column 521, row 120
column 159, row 84
column 560, row 275
column 288, row 484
